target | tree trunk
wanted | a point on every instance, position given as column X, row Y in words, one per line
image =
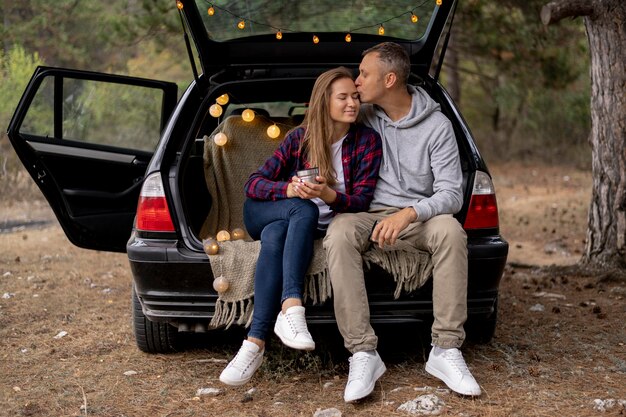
column 605, row 22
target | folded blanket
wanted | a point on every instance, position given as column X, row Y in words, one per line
column 236, row 261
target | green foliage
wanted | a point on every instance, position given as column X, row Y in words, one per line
column 525, row 87
column 16, row 68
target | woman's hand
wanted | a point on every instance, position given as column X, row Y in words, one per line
column 307, row 190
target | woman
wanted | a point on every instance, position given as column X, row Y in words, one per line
column 287, row 213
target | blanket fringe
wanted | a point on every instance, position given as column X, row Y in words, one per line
column 409, row 272
column 228, row 313
column 317, row 287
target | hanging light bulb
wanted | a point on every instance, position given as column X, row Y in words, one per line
column 242, row 24
column 220, row 139
column 348, row 38
column 210, row 11
column 211, row 247
column 438, row 2
column 316, row 40
column 279, row 35
column 247, row 115
column 381, row 30
column 215, row 110
column 414, row 18
column 223, row 235
column 238, row 234
column 273, row 131
column 179, row 4
column 220, row 284
column 223, row 99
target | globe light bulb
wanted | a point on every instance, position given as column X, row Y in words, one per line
column 381, row 30
column 238, row 234
column 247, row 115
column 223, row 99
column 220, row 139
column 414, row 18
column 348, row 38
column 242, row 24
column 273, row 131
column 220, row 284
column 223, row 235
column 179, row 4
column 439, row 2
column 211, row 11
column 215, row 110
column 316, row 40
column 279, row 35
column 211, row 247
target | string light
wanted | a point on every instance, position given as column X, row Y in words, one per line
column 273, row 131
column 279, row 32
column 179, row 4
column 238, row 234
column 223, row 99
column 215, row 110
column 223, row 236
column 220, row 139
column 247, row 115
column 211, row 247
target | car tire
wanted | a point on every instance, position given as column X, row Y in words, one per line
column 482, row 329
column 152, row 337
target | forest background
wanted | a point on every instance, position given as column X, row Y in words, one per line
column 523, row 87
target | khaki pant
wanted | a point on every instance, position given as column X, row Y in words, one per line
column 442, row 236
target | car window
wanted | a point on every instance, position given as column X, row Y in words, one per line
column 404, row 19
column 94, row 112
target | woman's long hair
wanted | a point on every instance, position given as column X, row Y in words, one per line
column 318, row 136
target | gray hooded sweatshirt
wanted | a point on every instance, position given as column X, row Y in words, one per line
column 421, row 166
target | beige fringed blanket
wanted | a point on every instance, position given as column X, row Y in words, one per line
column 236, row 261
column 226, row 170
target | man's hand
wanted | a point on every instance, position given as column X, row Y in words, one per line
column 388, row 229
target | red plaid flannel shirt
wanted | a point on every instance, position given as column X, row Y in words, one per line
column 361, row 155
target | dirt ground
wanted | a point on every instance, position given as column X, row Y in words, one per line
column 67, row 347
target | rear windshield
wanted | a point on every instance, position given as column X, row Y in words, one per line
column 231, row 19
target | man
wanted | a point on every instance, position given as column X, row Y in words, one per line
column 418, row 190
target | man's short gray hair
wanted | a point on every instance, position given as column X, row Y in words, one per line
column 394, row 57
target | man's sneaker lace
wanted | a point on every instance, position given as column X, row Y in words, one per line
column 365, row 369
column 244, row 364
column 449, row 366
column 292, row 330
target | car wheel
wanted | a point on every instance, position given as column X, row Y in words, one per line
column 481, row 330
column 152, row 337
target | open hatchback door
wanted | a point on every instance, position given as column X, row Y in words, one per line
column 291, row 34
column 86, row 139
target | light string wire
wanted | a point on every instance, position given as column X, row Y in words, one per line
column 281, row 29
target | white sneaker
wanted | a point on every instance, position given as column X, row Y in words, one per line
column 449, row 366
column 291, row 329
column 365, row 369
column 244, row 364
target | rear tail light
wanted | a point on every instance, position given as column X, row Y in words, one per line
column 153, row 214
column 483, row 209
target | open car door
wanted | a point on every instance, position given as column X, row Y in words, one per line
column 86, row 139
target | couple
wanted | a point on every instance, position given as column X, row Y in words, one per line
column 414, row 190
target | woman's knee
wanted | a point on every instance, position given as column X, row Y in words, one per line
column 274, row 233
column 304, row 209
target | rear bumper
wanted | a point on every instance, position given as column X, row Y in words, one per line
column 175, row 285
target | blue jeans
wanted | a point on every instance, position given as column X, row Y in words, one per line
column 286, row 229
